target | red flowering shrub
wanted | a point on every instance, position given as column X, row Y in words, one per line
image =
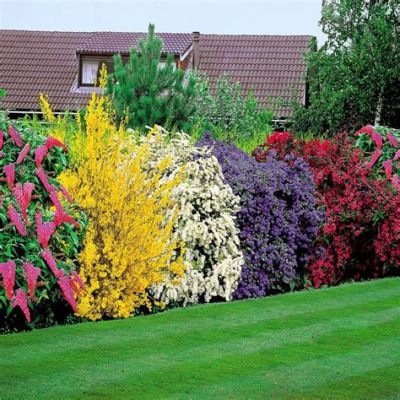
column 387, row 243
column 360, row 237
column 39, row 239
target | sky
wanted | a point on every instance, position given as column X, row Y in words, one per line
column 280, row 17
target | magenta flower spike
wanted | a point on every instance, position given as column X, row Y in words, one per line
column 9, row 171
column 14, row 136
column 24, row 152
column 44, row 180
column 388, row 167
column 377, row 138
column 77, row 279
column 60, row 216
column 40, row 154
column 44, row 230
column 16, row 220
column 32, row 274
column 23, row 195
column 66, row 194
column 20, row 300
column 51, row 263
column 7, row 270
column 375, row 156
column 368, row 129
column 65, row 285
column 392, row 140
column 53, row 142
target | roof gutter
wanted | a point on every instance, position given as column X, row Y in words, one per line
column 39, row 112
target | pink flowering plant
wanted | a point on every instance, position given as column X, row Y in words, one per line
column 381, row 146
column 40, row 232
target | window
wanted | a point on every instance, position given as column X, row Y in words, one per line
column 90, row 69
column 163, row 64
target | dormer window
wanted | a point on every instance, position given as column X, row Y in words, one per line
column 89, row 69
column 90, row 66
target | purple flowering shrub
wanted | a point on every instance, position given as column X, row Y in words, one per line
column 278, row 221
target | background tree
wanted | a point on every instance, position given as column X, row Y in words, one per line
column 146, row 92
column 354, row 77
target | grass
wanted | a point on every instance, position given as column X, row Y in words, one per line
column 337, row 343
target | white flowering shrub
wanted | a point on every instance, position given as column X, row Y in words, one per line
column 205, row 223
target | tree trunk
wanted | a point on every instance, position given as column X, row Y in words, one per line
column 379, row 106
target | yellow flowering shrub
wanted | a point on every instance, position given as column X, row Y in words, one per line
column 47, row 112
column 129, row 242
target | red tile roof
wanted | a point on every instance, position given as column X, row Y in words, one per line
column 32, row 62
column 272, row 66
column 122, row 42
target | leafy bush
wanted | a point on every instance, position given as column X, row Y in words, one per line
column 278, row 220
column 129, row 241
column 205, row 224
column 354, row 76
column 230, row 115
column 382, row 146
column 40, row 233
column 356, row 241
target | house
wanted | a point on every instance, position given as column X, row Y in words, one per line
column 64, row 65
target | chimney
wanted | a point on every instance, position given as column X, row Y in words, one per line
column 196, row 49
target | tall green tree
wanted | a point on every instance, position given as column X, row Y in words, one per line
column 147, row 90
column 354, row 78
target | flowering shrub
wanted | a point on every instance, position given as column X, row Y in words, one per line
column 278, row 220
column 40, row 232
column 382, row 147
column 205, row 224
column 356, row 240
column 128, row 244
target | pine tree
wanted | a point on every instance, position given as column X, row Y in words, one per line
column 147, row 92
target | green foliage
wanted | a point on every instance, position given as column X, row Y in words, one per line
column 228, row 114
column 3, row 93
column 246, row 142
column 63, row 127
column 144, row 92
column 354, row 77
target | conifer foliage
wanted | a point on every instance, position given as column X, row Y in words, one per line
column 147, row 91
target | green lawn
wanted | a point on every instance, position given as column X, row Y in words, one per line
column 337, row 343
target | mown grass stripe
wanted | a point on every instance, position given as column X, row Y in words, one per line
column 329, row 298
column 145, row 345
column 140, row 334
column 198, row 355
column 377, row 384
column 225, row 371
